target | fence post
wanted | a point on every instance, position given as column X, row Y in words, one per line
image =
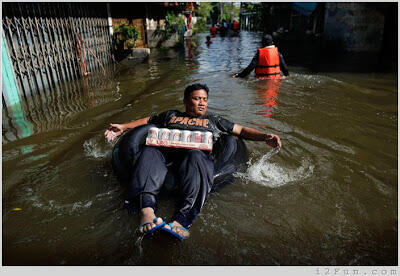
column 10, row 94
column 10, row 90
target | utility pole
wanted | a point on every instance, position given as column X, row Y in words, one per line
column 109, row 19
column 221, row 6
column 240, row 12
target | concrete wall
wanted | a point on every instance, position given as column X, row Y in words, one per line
column 151, row 25
column 356, row 26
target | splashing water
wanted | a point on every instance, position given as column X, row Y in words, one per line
column 271, row 175
column 96, row 148
column 138, row 245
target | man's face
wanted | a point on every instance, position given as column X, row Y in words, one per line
column 196, row 104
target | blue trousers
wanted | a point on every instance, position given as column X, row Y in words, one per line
column 195, row 170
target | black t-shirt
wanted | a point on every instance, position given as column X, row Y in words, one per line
column 175, row 119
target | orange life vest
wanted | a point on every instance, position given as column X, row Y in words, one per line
column 213, row 30
column 268, row 63
column 235, row 25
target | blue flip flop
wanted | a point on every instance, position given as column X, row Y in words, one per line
column 155, row 228
column 179, row 237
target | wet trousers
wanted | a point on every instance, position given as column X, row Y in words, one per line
column 194, row 169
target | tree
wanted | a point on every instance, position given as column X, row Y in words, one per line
column 257, row 12
column 204, row 9
column 228, row 10
column 203, row 16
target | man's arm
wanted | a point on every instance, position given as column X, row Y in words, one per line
column 136, row 123
column 249, row 68
column 117, row 129
column 283, row 66
column 252, row 134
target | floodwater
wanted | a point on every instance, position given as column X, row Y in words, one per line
column 329, row 197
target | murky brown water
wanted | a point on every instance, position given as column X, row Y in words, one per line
column 328, row 198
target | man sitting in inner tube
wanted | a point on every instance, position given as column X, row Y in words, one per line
column 268, row 62
column 195, row 166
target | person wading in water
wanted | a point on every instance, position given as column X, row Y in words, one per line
column 268, row 62
column 195, row 167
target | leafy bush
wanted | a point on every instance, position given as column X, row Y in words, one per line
column 127, row 33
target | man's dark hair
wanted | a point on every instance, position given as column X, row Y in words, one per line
column 267, row 40
column 196, row 86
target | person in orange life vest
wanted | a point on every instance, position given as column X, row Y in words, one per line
column 213, row 30
column 195, row 166
column 268, row 62
column 235, row 25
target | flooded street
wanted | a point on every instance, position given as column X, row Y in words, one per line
column 329, row 197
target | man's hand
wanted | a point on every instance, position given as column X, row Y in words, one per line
column 252, row 134
column 113, row 132
column 274, row 141
column 235, row 75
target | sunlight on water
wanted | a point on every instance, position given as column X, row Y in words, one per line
column 268, row 174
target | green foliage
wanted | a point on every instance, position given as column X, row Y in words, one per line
column 130, row 43
column 257, row 17
column 213, row 12
column 227, row 9
column 127, row 33
column 204, row 10
column 173, row 24
column 203, row 14
column 230, row 10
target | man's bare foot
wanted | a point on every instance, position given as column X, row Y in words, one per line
column 177, row 228
column 147, row 217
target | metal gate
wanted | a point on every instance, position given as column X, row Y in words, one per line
column 48, row 43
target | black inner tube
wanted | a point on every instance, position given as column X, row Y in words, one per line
column 230, row 153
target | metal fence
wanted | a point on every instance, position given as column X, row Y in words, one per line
column 62, row 106
column 48, row 43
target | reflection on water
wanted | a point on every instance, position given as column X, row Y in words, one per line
column 329, row 197
column 268, row 91
column 53, row 109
